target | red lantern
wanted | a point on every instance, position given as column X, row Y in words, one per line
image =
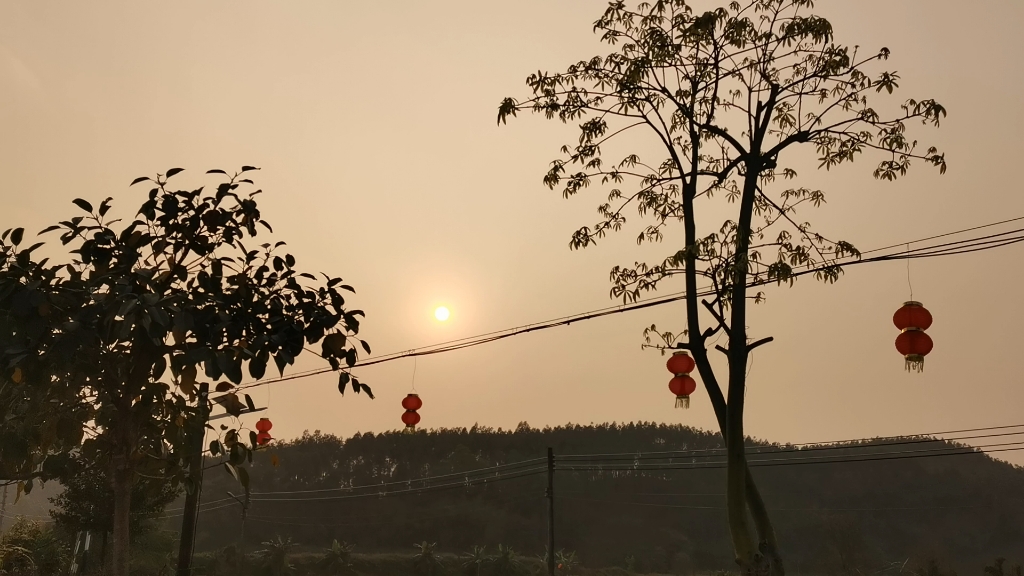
column 682, row 386
column 262, row 438
column 680, row 363
column 912, row 315
column 914, row 344
column 412, row 402
column 411, row 418
column 264, row 425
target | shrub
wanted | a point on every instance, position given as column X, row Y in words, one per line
column 30, row 548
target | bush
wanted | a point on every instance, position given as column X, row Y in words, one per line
column 275, row 556
column 30, row 548
column 337, row 559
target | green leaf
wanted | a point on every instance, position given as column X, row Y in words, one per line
column 252, row 439
column 343, row 379
column 365, row 346
column 82, row 204
column 248, row 168
column 174, row 171
column 258, row 365
column 249, row 403
column 237, row 455
column 105, row 206
column 158, row 367
column 16, row 236
column 139, row 179
column 231, row 470
column 243, row 477
column 216, row 171
column 214, row 447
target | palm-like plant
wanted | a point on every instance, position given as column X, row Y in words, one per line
column 337, row 558
column 474, row 560
column 275, row 556
column 425, row 562
column 506, row 562
column 566, row 562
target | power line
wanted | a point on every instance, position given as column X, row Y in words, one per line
column 423, row 479
column 273, row 519
column 781, row 461
column 969, row 245
column 179, row 513
column 808, row 509
column 755, row 450
column 466, row 484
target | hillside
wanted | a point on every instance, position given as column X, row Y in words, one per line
column 961, row 510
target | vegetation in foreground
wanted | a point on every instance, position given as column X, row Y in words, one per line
column 30, row 549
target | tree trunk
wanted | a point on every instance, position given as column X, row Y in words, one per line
column 103, row 553
column 746, row 553
column 122, row 480
column 767, row 544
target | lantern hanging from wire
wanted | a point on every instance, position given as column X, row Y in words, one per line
column 263, row 426
column 682, row 385
column 913, row 343
column 411, row 417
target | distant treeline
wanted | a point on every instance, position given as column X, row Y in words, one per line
column 839, row 517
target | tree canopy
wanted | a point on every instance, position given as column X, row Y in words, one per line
column 102, row 349
column 723, row 98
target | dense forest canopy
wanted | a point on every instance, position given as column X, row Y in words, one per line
column 959, row 510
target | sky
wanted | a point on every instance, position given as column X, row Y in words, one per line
column 374, row 127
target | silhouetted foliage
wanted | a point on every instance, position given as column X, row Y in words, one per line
column 723, row 98
column 101, row 347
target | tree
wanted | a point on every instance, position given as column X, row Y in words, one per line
column 86, row 501
column 104, row 346
column 723, row 96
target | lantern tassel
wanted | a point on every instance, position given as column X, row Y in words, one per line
column 683, row 402
column 915, row 363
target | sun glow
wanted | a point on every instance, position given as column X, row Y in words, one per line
column 441, row 313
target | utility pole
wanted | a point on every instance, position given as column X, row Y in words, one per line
column 190, row 517
column 551, row 512
column 241, row 540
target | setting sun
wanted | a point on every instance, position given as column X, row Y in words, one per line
column 441, row 313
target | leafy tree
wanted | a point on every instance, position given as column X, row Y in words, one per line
column 110, row 343
column 86, row 501
column 723, row 96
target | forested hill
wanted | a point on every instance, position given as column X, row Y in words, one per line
column 873, row 504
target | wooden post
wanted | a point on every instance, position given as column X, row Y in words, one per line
column 241, row 555
column 551, row 512
column 241, row 539
column 186, row 545
column 3, row 509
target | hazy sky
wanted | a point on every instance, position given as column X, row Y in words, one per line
column 374, row 126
